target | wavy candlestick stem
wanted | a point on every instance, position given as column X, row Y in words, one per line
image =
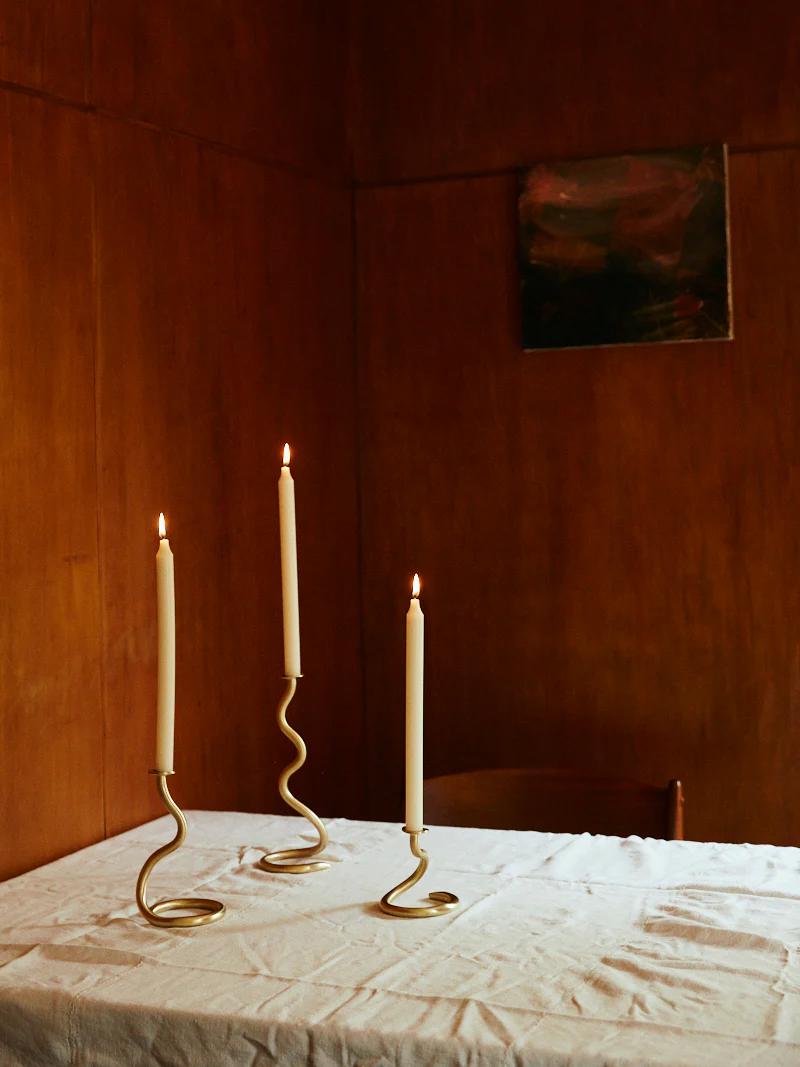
column 444, row 901
column 276, row 861
column 209, row 911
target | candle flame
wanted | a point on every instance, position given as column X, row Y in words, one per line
column 415, row 586
column 286, row 455
column 162, row 526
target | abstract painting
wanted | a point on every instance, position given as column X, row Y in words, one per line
column 625, row 249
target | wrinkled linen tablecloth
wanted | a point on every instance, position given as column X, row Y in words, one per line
column 566, row 950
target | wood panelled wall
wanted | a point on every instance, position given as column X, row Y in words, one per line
column 609, row 539
column 175, row 302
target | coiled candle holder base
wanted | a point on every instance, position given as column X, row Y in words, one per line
column 443, row 902
column 275, row 862
column 206, row 911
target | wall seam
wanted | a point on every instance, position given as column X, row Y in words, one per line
column 322, row 176
column 88, row 79
column 365, row 798
column 97, row 479
column 511, row 171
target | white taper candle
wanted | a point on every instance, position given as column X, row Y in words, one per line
column 165, row 589
column 415, row 660
column 291, row 604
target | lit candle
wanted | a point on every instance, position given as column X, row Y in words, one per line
column 415, row 657
column 165, row 588
column 291, row 606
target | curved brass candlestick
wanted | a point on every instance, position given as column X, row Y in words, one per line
column 444, row 901
column 274, row 861
column 209, row 911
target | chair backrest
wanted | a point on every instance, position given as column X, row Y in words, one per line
column 560, row 801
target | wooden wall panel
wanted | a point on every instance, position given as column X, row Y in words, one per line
column 44, row 45
column 607, row 538
column 50, row 712
column 459, row 86
column 214, row 283
column 224, row 329
column 261, row 75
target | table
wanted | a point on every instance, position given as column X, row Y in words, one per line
column 567, row 949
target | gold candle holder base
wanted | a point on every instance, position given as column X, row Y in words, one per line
column 208, row 911
column 275, row 862
column 443, row 901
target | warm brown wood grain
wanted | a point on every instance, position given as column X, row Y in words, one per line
column 475, row 85
column 44, row 44
column 224, row 329
column 218, row 293
column 555, row 801
column 51, row 725
column 607, row 538
column 265, row 76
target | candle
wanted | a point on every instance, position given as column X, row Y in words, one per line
column 415, row 655
column 165, row 588
column 291, row 606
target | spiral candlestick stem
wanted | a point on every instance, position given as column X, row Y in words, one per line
column 276, row 862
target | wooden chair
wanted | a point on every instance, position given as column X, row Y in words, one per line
column 561, row 801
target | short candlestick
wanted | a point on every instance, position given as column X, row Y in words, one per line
column 443, row 901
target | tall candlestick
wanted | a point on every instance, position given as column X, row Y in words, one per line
column 291, row 606
column 165, row 588
column 415, row 658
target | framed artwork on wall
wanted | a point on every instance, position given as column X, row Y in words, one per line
column 629, row 249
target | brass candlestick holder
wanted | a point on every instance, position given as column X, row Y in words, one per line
column 208, row 911
column 443, row 901
column 275, row 862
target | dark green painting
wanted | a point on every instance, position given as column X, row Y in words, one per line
column 625, row 249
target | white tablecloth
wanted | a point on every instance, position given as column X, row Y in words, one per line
column 566, row 950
